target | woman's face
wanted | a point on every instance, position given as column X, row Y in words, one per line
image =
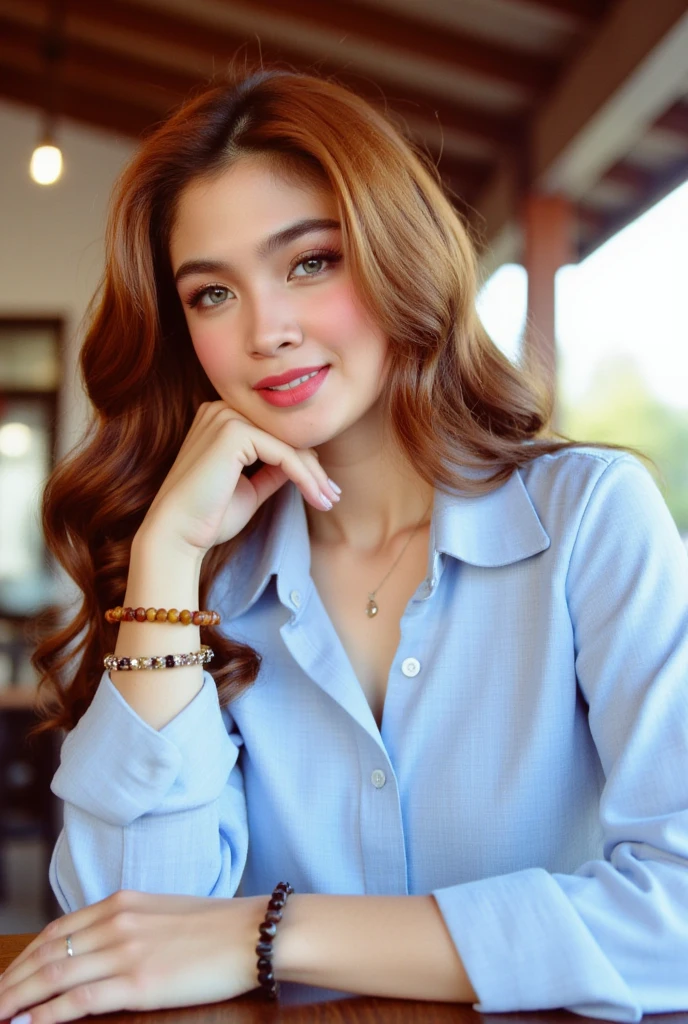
column 260, row 306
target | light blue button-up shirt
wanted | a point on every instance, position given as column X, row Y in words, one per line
column 531, row 771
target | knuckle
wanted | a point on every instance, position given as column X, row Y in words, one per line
column 84, row 996
column 132, row 949
column 123, row 922
column 229, row 424
column 44, row 953
column 122, row 898
column 51, row 973
column 52, row 928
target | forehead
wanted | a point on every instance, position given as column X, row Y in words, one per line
column 242, row 205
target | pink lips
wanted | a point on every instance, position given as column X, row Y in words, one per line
column 286, row 377
column 291, row 396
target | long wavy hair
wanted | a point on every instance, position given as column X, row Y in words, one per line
column 453, row 399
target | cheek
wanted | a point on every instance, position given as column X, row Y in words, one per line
column 210, row 346
column 343, row 324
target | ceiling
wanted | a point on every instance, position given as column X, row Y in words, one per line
column 584, row 98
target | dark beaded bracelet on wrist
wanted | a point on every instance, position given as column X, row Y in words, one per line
column 268, row 930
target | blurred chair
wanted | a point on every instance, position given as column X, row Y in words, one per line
column 28, row 808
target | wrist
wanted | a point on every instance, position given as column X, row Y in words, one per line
column 154, row 540
column 255, row 913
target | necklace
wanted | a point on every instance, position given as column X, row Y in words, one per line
column 372, row 607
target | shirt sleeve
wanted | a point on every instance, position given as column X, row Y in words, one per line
column 160, row 811
column 611, row 939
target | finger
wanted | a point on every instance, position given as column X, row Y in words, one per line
column 55, row 933
column 250, row 443
column 57, row 929
column 106, row 996
column 326, row 485
column 58, row 976
column 309, row 478
column 266, row 481
column 51, row 952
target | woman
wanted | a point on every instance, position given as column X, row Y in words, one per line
column 448, row 701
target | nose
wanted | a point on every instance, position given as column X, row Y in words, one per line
column 273, row 329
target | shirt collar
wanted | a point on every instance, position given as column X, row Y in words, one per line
column 487, row 530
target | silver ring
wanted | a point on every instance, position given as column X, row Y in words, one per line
column 70, row 951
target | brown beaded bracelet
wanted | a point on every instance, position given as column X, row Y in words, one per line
column 268, row 930
column 185, row 617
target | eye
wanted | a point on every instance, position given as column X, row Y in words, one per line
column 214, row 293
column 329, row 256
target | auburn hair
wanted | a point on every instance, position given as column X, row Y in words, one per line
column 453, row 399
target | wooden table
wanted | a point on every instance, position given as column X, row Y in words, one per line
column 301, row 1004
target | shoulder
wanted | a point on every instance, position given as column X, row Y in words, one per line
column 573, row 479
column 603, row 501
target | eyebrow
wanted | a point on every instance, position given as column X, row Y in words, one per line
column 264, row 249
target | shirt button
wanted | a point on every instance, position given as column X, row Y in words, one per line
column 295, row 598
column 378, row 778
column 410, row 667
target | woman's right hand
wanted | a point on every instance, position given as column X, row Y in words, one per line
column 205, row 498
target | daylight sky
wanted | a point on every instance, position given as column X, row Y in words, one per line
column 629, row 297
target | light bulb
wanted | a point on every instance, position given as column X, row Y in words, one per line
column 46, row 164
column 15, row 439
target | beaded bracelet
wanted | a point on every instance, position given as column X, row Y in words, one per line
column 201, row 657
column 268, row 930
column 185, row 617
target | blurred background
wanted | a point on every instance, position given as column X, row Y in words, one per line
column 560, row 129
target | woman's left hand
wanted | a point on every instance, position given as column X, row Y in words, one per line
column 136, row 951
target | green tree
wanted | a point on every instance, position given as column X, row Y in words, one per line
column 620, row 408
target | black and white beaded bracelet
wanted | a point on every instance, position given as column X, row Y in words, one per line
column 201, row 657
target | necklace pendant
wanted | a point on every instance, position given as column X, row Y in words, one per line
column 371, row 607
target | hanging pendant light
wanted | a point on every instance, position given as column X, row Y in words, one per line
column 46, row 160
column 45, row 166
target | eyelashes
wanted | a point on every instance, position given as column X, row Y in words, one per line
column 329, row 256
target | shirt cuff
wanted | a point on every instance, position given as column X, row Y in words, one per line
column 117, row 767
column 524, row 947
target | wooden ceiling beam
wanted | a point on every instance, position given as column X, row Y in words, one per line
column 413, row 38
column 580, row 12
column 83, row 58
column 614, row 89
column 92, row 70
column 86, row 106
column 21, row 44
column 674, row 120
column 614, row 222
column 630, row 176
column 226, row 44
column 499, row 131
column 632, row 69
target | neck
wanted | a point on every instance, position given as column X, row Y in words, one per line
column 382, row 494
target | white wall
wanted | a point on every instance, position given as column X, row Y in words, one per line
column 51, row 252
column 51, row 237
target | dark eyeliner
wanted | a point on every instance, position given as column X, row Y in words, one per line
column 195, row 297
column 332, row 256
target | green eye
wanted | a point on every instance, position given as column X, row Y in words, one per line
column 215, row 294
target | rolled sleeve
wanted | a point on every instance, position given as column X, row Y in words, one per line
column 157, row 811
column 525, row 948
column 117, row 767
column 610, row 939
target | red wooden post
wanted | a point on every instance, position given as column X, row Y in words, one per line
column 548, row 243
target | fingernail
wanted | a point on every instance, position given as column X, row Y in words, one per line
column 23, row 1018
column 334, row 486
column 325, row 500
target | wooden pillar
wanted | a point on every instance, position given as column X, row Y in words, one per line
column 548, row 235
